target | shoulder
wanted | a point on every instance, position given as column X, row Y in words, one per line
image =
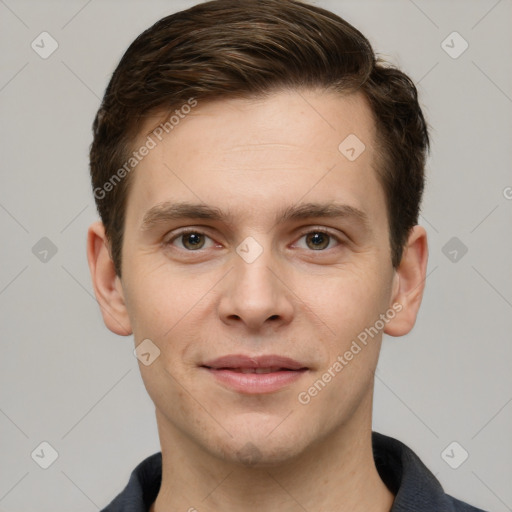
column 414, row 486
column 142, row 488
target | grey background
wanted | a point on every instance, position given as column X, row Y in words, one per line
column 65, row 379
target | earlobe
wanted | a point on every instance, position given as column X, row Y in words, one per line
column 107, row 286
column 409, row 283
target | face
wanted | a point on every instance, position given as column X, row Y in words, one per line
column 255, row 255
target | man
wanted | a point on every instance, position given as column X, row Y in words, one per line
column 258, row 175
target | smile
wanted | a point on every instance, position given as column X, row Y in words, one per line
column 255, row 375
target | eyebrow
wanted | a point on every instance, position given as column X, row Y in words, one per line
column 168, row 211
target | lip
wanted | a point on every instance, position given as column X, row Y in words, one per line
column 264, row 361
column 280, row 372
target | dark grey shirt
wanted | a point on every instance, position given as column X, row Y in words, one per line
column 415, row 488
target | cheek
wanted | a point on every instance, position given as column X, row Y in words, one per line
column 348, row 301
column 175, row 310
column 158, row 300
column 349, row 304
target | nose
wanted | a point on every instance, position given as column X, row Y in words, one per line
column 256, row 295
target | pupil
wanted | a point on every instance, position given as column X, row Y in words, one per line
column 319, row 240
column 193, row 239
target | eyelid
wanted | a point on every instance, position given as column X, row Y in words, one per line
column 318, row 228
column 185, row 231
column 322, row 229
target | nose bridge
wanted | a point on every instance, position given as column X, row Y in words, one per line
column 253, row 280
column 254, row 295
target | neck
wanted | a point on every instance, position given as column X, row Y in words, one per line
column 336, row 473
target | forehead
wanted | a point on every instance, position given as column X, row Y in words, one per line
column 298, row 121
column 261, row 151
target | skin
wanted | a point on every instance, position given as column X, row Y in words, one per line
column 226, row 450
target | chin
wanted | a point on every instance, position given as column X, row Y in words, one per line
column 253, row 454
column 261, row 447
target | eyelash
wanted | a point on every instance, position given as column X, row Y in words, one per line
column 188, row 231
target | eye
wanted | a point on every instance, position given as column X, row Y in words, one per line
column 190, row 240
column 319, row 240
column 194, row 240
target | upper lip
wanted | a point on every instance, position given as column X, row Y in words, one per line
column 264, row 361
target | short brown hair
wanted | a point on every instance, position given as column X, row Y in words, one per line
column 242, row 49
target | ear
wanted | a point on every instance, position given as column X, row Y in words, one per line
column 409, row 283
column 107, row 285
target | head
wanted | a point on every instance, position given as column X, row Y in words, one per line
column 294, row 159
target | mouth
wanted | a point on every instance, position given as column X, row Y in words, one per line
column 256, row 370
column 255, row 375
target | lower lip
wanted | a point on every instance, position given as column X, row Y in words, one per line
column 256, row 383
